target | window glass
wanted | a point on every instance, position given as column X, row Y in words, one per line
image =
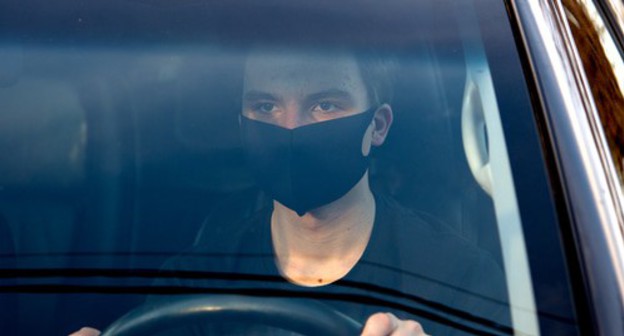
column 376, row 159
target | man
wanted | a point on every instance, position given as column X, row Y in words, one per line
column 308, row 123
column 324, row 209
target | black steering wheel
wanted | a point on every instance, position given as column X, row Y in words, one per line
column 303, row 316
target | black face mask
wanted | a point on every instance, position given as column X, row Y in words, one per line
column 308, row 166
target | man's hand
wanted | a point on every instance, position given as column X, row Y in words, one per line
column 386, row 324
column 86, row 331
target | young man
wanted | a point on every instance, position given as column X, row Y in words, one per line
column 308, row 124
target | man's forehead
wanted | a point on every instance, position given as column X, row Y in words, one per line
column 267, row 57
column 265, row 68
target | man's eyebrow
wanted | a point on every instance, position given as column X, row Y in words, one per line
column 330, row 93
column 258, row 95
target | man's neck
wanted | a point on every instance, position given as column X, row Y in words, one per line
column 324, row 244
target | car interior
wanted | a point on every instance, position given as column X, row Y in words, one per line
column 121, row 157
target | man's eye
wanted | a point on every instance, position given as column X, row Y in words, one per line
column 325, row 107
column 265, row 107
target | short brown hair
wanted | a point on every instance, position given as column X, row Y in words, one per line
column 378, row 74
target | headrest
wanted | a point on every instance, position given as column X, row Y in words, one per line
column 10, row 65
column 42, row 134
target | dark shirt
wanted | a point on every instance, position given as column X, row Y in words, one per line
column 413, row 266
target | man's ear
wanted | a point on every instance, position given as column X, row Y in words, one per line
column 381, row 124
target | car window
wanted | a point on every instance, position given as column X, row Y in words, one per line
column 374, row 158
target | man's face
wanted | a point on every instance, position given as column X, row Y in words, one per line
column 291, row 89
column 305, row 168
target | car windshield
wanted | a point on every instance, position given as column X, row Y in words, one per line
column 373, row 157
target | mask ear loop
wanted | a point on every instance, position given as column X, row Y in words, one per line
column 372, row 111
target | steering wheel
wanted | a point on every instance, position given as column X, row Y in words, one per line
column 303, row 316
